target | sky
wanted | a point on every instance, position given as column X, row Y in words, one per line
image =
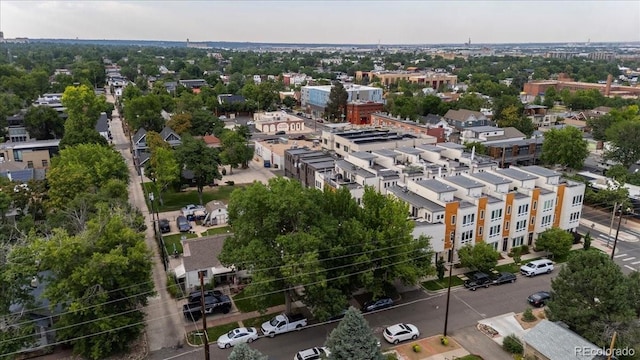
column 333, row 21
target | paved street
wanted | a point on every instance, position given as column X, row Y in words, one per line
column 163, row 321
column 426, row 311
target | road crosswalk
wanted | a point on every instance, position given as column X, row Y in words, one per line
column 627, row 261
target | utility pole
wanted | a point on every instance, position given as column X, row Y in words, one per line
column 613, row 217
column 205, row 338
column 615, row 240
column 446, row 312
column 613, row 342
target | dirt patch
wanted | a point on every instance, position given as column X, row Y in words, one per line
column 538, row 313
column 428, row 347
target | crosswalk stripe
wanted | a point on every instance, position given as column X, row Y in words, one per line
column 629, row 267
column 620, row 255
column 635, row 263
column 629, row 258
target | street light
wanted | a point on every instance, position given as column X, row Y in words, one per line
column 615, row 240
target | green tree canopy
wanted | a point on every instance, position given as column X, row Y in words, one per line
column 481, row 256
column 242, row 351
column 337, row 104
column 235, row 150
column 564, row 147
column 353, row 339
column 202, row 161
column 624, row 146
column 555, row 241
column 44, row 123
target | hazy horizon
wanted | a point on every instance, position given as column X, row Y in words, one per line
column 326, row 22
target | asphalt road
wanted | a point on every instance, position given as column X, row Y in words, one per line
column 426, row 311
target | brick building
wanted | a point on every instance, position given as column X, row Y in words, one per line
column 539, row 87
column 359, row 112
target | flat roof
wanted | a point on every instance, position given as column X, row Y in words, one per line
column 484, row 128
column 363, row 155
column 450, row 145
column 516, row 174
column 463, row 181
column 541, row 171
column 30, row 144
column 429, row 147
column 324, row 164
column 343, row 164
column 415, row 199
column 435, row 186
column 386, row 152
column 409, row 150
column 490, row 178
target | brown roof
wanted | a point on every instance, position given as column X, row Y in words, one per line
column 211, row 140
column 463, row 114
column 202, row 253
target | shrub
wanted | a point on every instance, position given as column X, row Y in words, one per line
column 444, row 341
column 230, row 182
column 587, row 242
column 391, row 357
column 528, row 315
column 172, row 286
column 416, row 348
column 512, row 344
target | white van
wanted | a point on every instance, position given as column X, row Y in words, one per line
column 537, row 267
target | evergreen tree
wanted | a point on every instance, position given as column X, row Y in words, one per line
column 337, row 104
column 353, row 339
column 242, row 351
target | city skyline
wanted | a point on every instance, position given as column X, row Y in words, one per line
column 328, row 22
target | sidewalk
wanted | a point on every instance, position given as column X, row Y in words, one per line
column 232, row 317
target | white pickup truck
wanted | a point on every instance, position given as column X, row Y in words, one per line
column 283, row 323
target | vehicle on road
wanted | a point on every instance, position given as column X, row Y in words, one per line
column 314, row 353
column 283, row 323
column 504, row 277
column 281, row 132
column 164, row 226
column 378, row 304
column 400, row 332
column 339, row 315
column 237, row 336
column 183, row 224
column 478, row 279
column 196, row 295
column 212, row 304
column 539, row 299
column 537, row 267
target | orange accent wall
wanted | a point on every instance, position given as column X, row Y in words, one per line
column 535, row 195
column 558, row 210
column 482, row 206
column 507, row 215
column 450, row 210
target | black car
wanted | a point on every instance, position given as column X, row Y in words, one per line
column 339, row 315
column 212, row 304
column 164, row 226
column 504, row 277
column 377, row 304
column 539, row 299
column 195, row 296
column 477, row 280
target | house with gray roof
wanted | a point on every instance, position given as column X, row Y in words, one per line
column 141, row 150
column 201, row 255
column 102, row 126
column 554, row 341
column 463, row 119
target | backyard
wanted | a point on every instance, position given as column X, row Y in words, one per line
column 173, row 200
column 175, row 239
column 244, row 304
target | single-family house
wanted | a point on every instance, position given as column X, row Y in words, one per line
column 140, row 143
column 102, row 126
column 194, row 84
column 230, row 99
column 554, row 341
column 201, row 255
column 463, row 118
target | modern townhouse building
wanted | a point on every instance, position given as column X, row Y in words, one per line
column 346, row 142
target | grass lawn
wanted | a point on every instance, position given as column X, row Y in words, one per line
column 470, row 357
column 434, row 285
column 169, row 240
column 214, row 333
column 512, row 268
column 244, row 304
column 176, row 200
column 257, row 321
column 216, row 231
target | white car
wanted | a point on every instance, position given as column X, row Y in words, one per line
column 537, row 267
column 401, row 332
column 237, row 336
column 312, row 354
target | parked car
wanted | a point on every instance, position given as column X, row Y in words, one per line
column 539, row 298
column 504, row 277
column 373, row 305
column 196, row 295
column 283, row 323
column 183, row 224
column 237, row 336
column 339, row 315
column 281, row 132
column 212, row 304
column 477, row 280
column 537, row 267
column 400, row 332
column 164, row 226
column 194, row 212
column 314, row 353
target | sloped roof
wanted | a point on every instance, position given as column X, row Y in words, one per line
column 430, row 119
column 139, row 135
column 463, row 115
column 166, row 132
column 556, row 342
column 102, row 125
column 202, row 253
column 211, row 140
column 229, row 98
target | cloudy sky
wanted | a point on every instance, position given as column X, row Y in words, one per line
column 337, row 21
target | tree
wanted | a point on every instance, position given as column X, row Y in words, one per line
column 242, row 351
column 623, row 146
column 44, row 123
column 203, row 122
column 235, row 150
column 586, row 241
column 440, row 268
column 180, row 123
column 83, row 168
column 565, row 147
column 289, row 101
column 592, row 296
column 203, row 161
column 353, row 339
column 600, row 125
column 337, row 104
column 83, row 109
column 144, row 111
column 555, row 241
column 165, row 168
column 104, row 288
column 481, row 256
column 480, row 148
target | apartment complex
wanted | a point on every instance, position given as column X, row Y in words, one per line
column 314, row 99
column 432, row 79
column 346, row 142
column 384, row 120
column 453, row 196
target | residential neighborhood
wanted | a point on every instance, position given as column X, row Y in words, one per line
column 181, row 199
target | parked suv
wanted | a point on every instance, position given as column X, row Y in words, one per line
column 537, row 267
column 183, row 224
column 477, row 280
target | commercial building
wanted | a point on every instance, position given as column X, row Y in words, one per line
column 359, row 112
column 346, row 142
column 314, row 99
column 432, row 79
column 538, row 87
column 275, row 121
column 436, row 130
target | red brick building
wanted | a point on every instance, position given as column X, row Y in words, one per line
column 359, row 113
column 538, row 87
column 408, row 126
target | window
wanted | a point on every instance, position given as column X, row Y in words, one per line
column 535, row 205
column 577, row 200
column 466, row 236
column 494, row 231
column 506, row 225
column 521, row 225
column 481, row 214
column 523, row 209
column 468, row 219
column 509, row 210
column 452, row 235
column 30, row 164
column 533, row 220
column 548, row 205
column 517, row 241
column 439, row 217
column 496, row 214
column 480, row 231
column 574, row 217
column 453, row 219
column 546, row 220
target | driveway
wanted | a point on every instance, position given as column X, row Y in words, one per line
column 479, row 344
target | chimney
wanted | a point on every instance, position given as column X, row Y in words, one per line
column 607, row 88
